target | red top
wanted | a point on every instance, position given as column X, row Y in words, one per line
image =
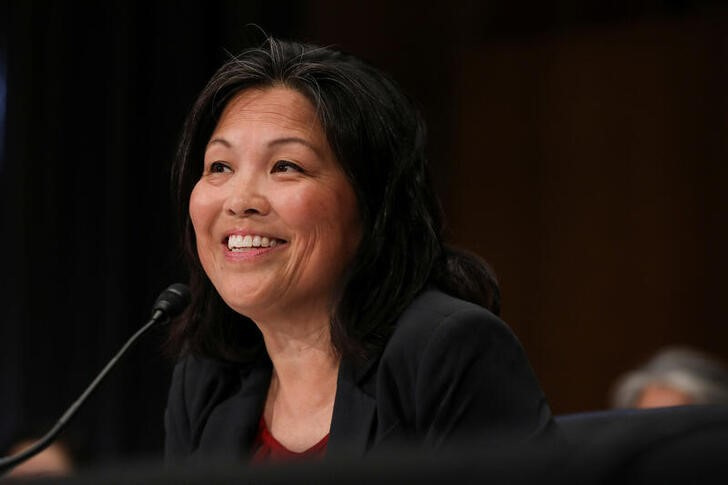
column 267, row 448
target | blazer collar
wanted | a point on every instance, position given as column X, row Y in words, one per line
column 353, row 424
column 233, row 424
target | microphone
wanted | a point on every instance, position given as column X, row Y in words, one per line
column 171, row 301
column 169, row 304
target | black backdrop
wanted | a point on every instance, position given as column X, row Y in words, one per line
column 97, row 94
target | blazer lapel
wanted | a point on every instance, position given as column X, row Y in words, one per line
column 353, row 424
column 232, row 426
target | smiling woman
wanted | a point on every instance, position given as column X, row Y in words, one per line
column 328, row 317
column 269, row 175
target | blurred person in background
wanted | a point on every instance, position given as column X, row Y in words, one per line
column 674, row 376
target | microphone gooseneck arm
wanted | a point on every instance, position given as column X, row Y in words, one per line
column 170, row 303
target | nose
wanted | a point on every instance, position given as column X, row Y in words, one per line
column 246, row 198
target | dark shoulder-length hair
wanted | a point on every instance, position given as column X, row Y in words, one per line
column 378, row 137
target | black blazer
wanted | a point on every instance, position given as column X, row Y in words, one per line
column 451, row 371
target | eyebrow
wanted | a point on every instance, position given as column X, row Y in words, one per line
column 292, row 139
column 221, row 141
column 271, row 144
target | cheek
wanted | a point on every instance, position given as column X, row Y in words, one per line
column 201, row 209
column 332, row 218
column 302, row 209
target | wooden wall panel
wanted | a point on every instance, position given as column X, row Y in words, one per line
column 591, row 172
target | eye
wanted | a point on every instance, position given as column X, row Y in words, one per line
column 285, row 166
column 219, row 167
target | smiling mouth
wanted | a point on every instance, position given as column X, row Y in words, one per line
column 237, row 243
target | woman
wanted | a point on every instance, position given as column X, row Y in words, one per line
column 327, row 316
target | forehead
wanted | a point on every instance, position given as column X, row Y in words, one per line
column 271, row 108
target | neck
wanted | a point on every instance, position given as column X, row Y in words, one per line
column 301, row 357
column 301, row 351
column 300, row 400
column 302, row 390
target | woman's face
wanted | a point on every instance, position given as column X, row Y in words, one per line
column 275, row 218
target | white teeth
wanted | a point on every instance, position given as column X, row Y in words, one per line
column 236, row 242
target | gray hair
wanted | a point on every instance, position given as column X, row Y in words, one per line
column 689, row 371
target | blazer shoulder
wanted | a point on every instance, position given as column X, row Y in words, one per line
column 434, row 311
column 439, row 326
column 453, row 369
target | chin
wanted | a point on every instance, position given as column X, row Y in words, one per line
column 243, row 304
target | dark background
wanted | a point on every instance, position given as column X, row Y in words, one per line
column 578, row 146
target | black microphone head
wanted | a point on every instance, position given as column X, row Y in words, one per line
column 173, row 300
